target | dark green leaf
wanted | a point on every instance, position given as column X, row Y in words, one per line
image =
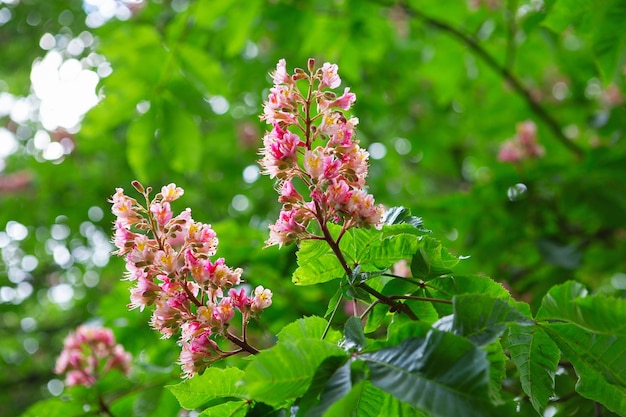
column 325, row 371
column 201, row 389
column 337, row 387
column 599, row 361
column 444, row 374
column 536, row 357
column 482, row 318
column 353, row 331
column 556, row 254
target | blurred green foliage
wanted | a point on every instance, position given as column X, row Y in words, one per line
column 440, row 86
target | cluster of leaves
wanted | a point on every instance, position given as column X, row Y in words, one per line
column 450, row 356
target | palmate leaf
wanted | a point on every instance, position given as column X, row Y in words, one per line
column 391, row 406
column 367, row 248
column 443, row 374
column 599, row 361
column 285, row 371
column 536, row 357
column 200, row 389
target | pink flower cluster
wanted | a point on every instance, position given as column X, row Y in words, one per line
column 88, row 354
column 312, row 146
column 169, row 258
column 523, row 145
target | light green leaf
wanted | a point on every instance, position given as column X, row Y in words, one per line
column 286, row 370
column 228, row 409
column 308, row 327
column 201, row 389
column 443, row 374
column 536, row 357
column 366, row 248
column 599, row 361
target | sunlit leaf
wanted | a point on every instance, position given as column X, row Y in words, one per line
column 201, row 389
column 227, row 409
column 308, row 327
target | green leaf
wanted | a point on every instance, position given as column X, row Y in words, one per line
column 308, row 327
column 316, row 264
column 179, row 138
column 536, row 357
column 447, row 287
column 599, row 361
column 353, row 332
column 443, row 374
column 54, row 407
column 391, row 406
column 598, row 314
column 497, row 370
column 201, row 389
column 402, row 216
column 481, row 318
column 337, row 387
column 365, row 248
column 286, row 370
column 363, row 400
column 432, row 259
column 228, row 409
column 320, row 384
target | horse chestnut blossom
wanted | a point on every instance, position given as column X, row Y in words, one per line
column 523, row 145
column 170, row 260
column 88, row 354
column 312, row 146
